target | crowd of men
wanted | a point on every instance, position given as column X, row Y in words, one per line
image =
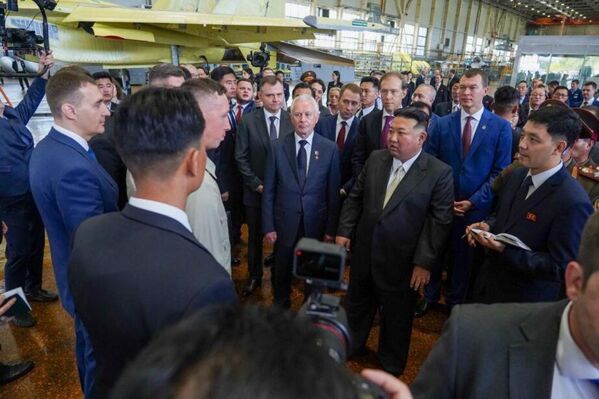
column 143, row 198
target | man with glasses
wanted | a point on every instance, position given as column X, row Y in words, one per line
column 561, row 93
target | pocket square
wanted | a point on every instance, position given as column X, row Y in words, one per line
column 531, row 216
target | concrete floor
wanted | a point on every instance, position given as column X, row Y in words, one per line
column 51, row 343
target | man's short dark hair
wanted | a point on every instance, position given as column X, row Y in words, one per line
column 279, row 72
column 561, row 88
column 576, row 81
column 203, row 87
column 306, row 74
column 165, row 71
column 415, row 114
column 272, row 81
column 235, row 353
column 421, row 105
column 590, row 83
column 154, row 128
column 64, row 87
column 506, row 97
column 561, row 123
column 523, row 81
column 102, row 75
column 186, row 73
column 471, row 73
column 452, row 71
column 302, row 85
column 354, row 88
column 319, row 82
column 219, row 73
column 246, row 80
column 588, row 254
column 370, row 79
column 553, row 83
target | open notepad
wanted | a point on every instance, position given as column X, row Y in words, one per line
column 20, row 307
column 505, row 238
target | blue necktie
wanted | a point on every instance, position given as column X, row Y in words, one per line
column 302, row 162
column 92, row 154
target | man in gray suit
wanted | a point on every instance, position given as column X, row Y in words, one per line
column 400, row 210
column 525, row 351
column 255, row 133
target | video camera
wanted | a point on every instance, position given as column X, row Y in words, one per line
column 321, row 266
column 23, row 40
column 259, row 59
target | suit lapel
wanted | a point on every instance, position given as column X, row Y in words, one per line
column 285, row 127
column 414, row 176
column 314, row 155
column 377, row 127
column 479, row 135
column 289, row 148
column 383, row 172
column 262, row 126
column 457, row 132
column 537, row 196
column 540, row 334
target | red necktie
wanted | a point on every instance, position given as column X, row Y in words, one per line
column 239, row 112
column 385, row 131
column 341, row 136
column 467, row 136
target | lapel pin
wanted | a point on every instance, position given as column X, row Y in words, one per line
column 484, row 127
column 531, row 216
column 316, row 155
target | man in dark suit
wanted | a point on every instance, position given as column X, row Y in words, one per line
column 422, row 76
column 442, row 92
column 244, row 99
column 574, row 94
column 106, row 86
column 142, row 269
column 452, row 79
column 588, row 94
column 543, row 206
column 70, row 186
column 25, row 234
column 477, row 145
column 281, row 77
column 301, row 192
column 229, row 179
column 256, row 133
column 452, row 105
column 342, row 129
column 522, row 88
column 506, row 106
column 529, row 351
column 408, row 87
column 374, row 128
column 370, row 94
column 402, row 196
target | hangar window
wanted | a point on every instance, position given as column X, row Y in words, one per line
column 293, row 10
column 407, row 38
column 469, row 45
column 371, row 40
column 349, row 40
column 327, row 13
column 421, row 41
column 390, row 44
column 324, row 40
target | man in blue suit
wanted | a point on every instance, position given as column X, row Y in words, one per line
column 574, row 94
column 477, row 145
column 69, row 185
column 25, row 235
column 244, row 99
column 543, row 206
column 588, row 94
column 342, row 129
column 301, row 192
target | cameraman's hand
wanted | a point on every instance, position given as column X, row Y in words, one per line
column 271, row 237
column 391, row 385
column 4, row 308
column 343, row 241
column 45, row 60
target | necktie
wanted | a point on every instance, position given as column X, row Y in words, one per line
column 398, row 175
column 467, row 136
column 385, row 131
column 273, row 128
column 302, row 162
column 361, row 114
column 92, row 154
column 239, row 113
column 585, row 104
column 341, row 136
column 456, row 107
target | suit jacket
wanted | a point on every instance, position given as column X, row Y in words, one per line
column 285, row 203
column 368, row 140
column 444, row 108
column 594, row 103
column 251, row 149
column 574, row 98
column 548, row 226
column 490, row 153
column 133, row 273
column 453, row 81
column 68, row 187
column 410, row 230
column 419, row 80
column 16, row 142
column 327, row 127
column 442, row 95
column 324, row 111
column 493, row 352
column 111, row 161
column 223, row 157
column 488, row 101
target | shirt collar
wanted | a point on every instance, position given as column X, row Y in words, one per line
column 348, row 121
column 268, row 114
column 308, row 139
column 476, row 116
column 570, row 360
column 210, row 166
column 80, row 140
column 542, row 177
column 368, row 110
column 385, row 113
column 162, row 209
column 405, row 165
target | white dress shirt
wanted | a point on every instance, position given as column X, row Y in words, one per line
column 572, row 370
column 347, row 126
column 162, row 209
column 541, row 178
column 267, row 116
column 473, row 123
column 308, row 148
column 80, row 140
column 208, row 218
column 404, row 165
column 365, row 111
